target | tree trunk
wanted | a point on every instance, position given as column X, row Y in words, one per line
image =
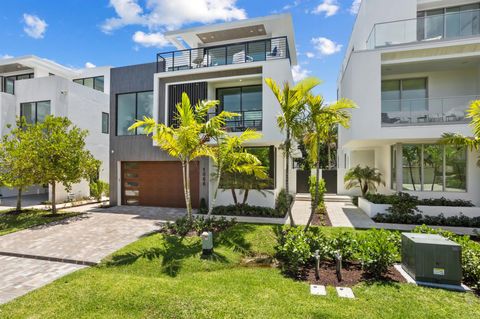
column 215, row 193
column 329, row 154
column 317, row 187
column 19, row 199
column 184, row 176
column 54, row 200
column 189, row 198
column 234, row 195
column 245, row 196
column 287, row 168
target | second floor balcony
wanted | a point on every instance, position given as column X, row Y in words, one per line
column 433, row 25
column 235, row 53
column 430, row 111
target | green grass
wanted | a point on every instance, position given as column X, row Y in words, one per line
column 10, row 223
column 163, row 277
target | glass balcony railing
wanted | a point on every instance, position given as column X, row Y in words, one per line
column 244, row 52
column 429, row 28
column 447, row 110
column 251, row 119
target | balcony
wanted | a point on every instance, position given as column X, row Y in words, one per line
column 236, row 53
column 433, row 111
column 251, row 119
column 450, row 25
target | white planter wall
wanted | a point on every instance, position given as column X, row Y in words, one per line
column 372, row 209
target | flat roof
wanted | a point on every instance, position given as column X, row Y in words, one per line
column 236, row 31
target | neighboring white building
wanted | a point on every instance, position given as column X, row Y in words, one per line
column 35, row 87
column 228, row 62
column 412, row 67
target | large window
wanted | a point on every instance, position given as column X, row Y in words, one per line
column 96, row 83
column 130, row 107
column 8, row 83
column 247, row 101
column 35, row 112
column 449, row 22
column 404, row 95
column 266, row 155
column 433, row 168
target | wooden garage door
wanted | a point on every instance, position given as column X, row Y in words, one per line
column 158, row 184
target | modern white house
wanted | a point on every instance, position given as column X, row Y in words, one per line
column 34, row 88
column 228, row 62
column 412, row 67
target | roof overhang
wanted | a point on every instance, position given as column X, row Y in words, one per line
column 236, row 31
column 31, row 62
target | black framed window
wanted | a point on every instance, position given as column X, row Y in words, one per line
column 96, row 83
column 105, row 122
column 35, row 112
column 130, row 107
column 245, row 100
column 8, row 83
column 266, row 155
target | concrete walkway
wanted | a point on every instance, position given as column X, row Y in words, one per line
column 343, row 213
column 34, row 257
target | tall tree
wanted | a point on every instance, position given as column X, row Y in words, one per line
column 188, row 140
column 229, row 157
column 61, row 154
column 292, row 104
column 18, row 159
column 472, row 143
column 320, row 120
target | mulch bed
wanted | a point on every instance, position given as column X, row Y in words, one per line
column 352, row 274
column 321, row 220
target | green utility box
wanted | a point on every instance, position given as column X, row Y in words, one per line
column 432, row 258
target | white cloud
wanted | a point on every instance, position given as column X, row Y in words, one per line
column 160, row 14
column 326, row 46
column 299, row 73
column 150, row 39
column 291, row 5
column 90, row 65
column 355, row 6
column 6, row 56
column 329, row 7
column 34, row 26
column 310, row 55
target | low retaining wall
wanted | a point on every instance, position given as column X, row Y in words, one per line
column 372, row 209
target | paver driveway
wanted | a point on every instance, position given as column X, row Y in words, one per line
column 34, row 257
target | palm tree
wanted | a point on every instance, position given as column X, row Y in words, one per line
column 229, row 157
column 189, row 139
column 366, row 178
column 292, row 104
column 472, row 143
column 320, row 121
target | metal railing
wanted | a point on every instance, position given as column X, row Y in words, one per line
column 429, row 28
column 252, row 119
column 243, row 52
column 431, row 111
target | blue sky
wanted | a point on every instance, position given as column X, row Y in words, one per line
column 122, row 32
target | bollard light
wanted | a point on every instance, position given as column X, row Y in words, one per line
column 207, row 243
column 317, row 264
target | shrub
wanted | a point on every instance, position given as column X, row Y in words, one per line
column 378, row 250
column 355, row 200
column 294, row 250
column 322, row 189
column 346, row 243
column 470, row 253
column 391, row 199
column 99, row 189
column 283, row 202
column 246, row 210
column 203, row 209
column 184, row 226
column 440, row 220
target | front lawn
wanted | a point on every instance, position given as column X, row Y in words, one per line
column 161, row 276
column 11, row 222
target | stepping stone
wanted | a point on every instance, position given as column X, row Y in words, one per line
column 318, row 290
column 345, row 292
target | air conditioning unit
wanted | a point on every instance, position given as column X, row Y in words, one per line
column 432, row 258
